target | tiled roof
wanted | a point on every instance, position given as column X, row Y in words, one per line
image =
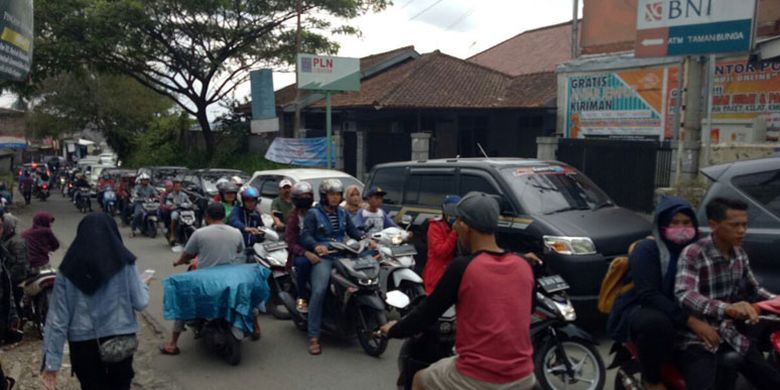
column 533, row 90
column 533, row 51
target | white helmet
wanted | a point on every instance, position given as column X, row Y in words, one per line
column 144, row 176
column 237, row 181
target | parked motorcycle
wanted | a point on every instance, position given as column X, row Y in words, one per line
column 36, row 298
column 272, row 254
column 83, row 201
column 109, row 201
column 353, row 304
column 397, row 263
column 149, row 220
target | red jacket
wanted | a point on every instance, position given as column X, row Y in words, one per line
column 442, row 242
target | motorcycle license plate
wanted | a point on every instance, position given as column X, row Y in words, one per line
column 275, row 246
column 403, row 250
column 363, row 263
column 553, row 283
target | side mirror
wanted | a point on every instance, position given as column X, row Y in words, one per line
column 407, row 219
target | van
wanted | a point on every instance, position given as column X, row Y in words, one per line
column 548, row 208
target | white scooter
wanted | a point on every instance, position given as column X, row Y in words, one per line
column 272, row 254
column 397, row 263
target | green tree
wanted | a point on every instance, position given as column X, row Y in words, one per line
column 196, row 52
column 116, row 105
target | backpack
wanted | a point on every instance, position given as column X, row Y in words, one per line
column 613, row 286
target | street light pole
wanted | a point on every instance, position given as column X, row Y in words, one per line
column 297, row 120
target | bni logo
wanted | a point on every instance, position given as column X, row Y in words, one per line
column 654, row 11
column 306, row 64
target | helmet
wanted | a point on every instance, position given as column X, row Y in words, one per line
column 249, row 193
column 168, row 186
column 221, row 183
column 237, row 181
column 302, row 195
column 144, row 176
column 229, row 187
column 177, row 179
column 328, row 186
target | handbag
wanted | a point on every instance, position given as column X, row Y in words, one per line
column 118, row 348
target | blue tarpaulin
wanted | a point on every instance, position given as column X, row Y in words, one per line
column 228, row 291
column 306, row 152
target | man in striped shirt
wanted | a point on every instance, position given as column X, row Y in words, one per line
column 714, row 283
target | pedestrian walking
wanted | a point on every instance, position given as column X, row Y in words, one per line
column 40, row 241
column 93, row 308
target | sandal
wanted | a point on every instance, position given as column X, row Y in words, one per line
column 166, row 351
column 314, row 347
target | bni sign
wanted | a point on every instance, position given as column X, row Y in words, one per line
column 690, row 27
column 326, row 73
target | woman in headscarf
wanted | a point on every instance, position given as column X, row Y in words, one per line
column 353, row 201
column 16, row 257
column 40, row 240
column 96, row 295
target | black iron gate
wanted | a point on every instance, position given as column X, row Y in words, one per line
column 628, row 171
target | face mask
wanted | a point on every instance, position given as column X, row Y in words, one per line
column 679, row 235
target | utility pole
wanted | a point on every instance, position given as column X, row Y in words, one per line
column 297, row 120
column 575, row 30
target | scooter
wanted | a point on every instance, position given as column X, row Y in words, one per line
column 185, row 225
column 220, row 336
column 43, row 191
column 354, row 302
column 420, row 351
column 397, row 263
column 83, row 201
column 272, row 254
column 149, row 220
column 109, row 201
column 37, row 294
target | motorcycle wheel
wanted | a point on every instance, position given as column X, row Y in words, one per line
column 589, row 370
column 274, row 304
column 151, row 229
column 41, row 310
column 367, row 322
column 232, row 350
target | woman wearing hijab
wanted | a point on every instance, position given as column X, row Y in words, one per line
column 648, row 314
column 40, row 241
column 96, row 295
column 353, row 201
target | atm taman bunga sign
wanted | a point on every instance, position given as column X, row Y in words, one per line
column 693, row 27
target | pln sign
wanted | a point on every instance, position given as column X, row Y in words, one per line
column 693, row 27
column 325, row 73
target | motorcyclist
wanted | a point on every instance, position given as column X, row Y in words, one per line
column 324, row 223
column 142, row 192
column 217, row 198
column 246, row 218
column 105, row 181
column 228, row 198
column 302, row 197
column 442, row 244
column 81, row 182
column 164, row 212
column 173, row 201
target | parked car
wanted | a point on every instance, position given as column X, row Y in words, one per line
column 549, row 208
column 757, row 182
column 160, row 174
column 267, row 182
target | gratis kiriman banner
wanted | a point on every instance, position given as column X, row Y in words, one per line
column 16, row 39
column 629, row 104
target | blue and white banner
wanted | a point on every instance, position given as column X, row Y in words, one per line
column 12, row 142
column 306, row 152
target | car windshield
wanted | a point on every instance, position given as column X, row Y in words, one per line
column 210, row 179
column 554, row 189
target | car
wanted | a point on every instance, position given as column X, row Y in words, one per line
column 97, row 170
column 159, row 174
column 267, row 182
column 548, row 208
column 757, row 182
column 204, row 181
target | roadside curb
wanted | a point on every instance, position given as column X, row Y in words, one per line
column 159, row 329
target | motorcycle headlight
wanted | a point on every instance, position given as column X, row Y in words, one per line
column 397, row 240
column 368, row 282
column 445, row 327
column 570, row 245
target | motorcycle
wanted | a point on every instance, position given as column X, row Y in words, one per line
column 37, row 294
column 149, row 219
column 220, row 336
column 564, row 354
column 272, row 254
column 83, row 201
column 397, row 263
column 109, row 201
column 42, row 192
column 420, row 351
column 186, row 223
column 353, row 303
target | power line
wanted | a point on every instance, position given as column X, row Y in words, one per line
column 407, row 3
column 460, row 19
column 424, row 10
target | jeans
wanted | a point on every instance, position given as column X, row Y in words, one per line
column 303, row 273
column 320, row 278
column 93, row 374
column 702, row 371
column 138, row 216
column 653, row 334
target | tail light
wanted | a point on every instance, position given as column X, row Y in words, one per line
column 45, row 186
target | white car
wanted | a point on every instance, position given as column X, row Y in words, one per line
column 267, row 182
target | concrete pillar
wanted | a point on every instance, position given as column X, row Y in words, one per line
column 694, row 108
column 546, row 148
column 421, row 146
column 360, row 156
column 338, row 149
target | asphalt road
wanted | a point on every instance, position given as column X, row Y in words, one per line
column 279, row 360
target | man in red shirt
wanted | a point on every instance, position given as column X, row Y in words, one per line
column 492, row 293
column 442, row 243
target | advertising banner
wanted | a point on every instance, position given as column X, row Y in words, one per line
column 16, row 39
column 744, row 91
column 324, row 73
column 626, row 104
column 305, row 152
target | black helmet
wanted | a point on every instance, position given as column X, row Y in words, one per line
column 229, row 187
column 328, row 186
column 302, row 195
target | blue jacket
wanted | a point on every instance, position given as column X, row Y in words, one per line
column 241, row 218
column 317, row 229
column 74, row 316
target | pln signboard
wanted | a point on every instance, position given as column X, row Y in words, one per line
column 693, row 27
column 325, row 73
column 16, row 39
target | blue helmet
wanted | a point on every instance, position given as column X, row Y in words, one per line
column 249, row 193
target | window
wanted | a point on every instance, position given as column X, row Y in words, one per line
column 391, row 180
column 429, row 189
column 469, row 183
column 256, row 182
column 763, row 187
column 270, row 187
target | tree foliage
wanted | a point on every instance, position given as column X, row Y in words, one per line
column 118, row 106
column 196, row 52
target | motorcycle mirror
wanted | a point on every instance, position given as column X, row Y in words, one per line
column 397, row 299
column 406, row 219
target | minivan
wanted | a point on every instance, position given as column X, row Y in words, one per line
column 548, row 208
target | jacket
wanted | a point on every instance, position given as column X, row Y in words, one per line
column 292, row 236
column 75, row 316
column 40, row 240
column 16, row 260
column 442, row 243
column 317, row 229
column 240, row 218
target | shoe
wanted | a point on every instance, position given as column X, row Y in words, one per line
column 302, row 306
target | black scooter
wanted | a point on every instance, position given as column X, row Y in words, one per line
column 354, row 302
